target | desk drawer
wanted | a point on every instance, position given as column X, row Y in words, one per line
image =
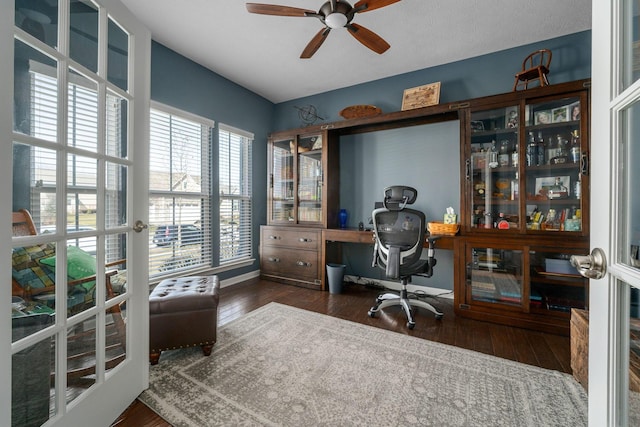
column 299, row 238
column 290, row 263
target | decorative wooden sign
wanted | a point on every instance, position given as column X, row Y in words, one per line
column 421, row 96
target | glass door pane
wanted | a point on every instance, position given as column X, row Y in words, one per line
column 629, row 199
column 495, row 276
column 553, row 166
column 310, row 178
column 282, row 187
column 39, row 19
column 630, row 43
column 494, row 166
column 556, row 286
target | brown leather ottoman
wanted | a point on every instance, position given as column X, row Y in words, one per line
column 183, row 313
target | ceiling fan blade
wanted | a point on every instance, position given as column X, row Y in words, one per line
column 274, row 9
column 368, row 38
column 369, row 5
column 315, row 43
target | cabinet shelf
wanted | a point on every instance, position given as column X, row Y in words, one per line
column 544, row 170
column 551, row 126
column 499, row 169
column 495, row 200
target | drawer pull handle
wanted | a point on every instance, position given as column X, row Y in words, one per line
column 303, row 264
column 304, row 240
column 274, row 237
column 272, row 259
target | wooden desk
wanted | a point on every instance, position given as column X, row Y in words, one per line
column 333, row 253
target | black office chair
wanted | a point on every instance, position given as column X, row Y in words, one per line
column 400, row 233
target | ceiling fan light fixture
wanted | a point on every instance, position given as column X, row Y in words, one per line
column 336, row 20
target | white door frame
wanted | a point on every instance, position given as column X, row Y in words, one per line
column 106, row 399
column 609, row 302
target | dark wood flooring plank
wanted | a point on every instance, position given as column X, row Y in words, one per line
column 502, row 342
column 544, row 354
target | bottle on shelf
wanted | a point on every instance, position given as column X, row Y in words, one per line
column 551, row 223
column 575, row 147
column 493, row 157
column 514, row 156
column 482, row 158
column 577, row 189
column 488, row 220
column 550, row 150
column 560, row 151
column 532, row 151
column 503, row 156
column 514, row 188
column 541, row 152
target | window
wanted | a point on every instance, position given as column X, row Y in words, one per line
column 82, row 133
column 180, row 193
column 235, row 194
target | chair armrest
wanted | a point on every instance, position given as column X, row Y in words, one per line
column 393, row 262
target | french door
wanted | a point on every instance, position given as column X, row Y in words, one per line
column 74, row 104
column 614, row 322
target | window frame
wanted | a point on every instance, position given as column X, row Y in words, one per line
column 244, row 195
column 206, row 258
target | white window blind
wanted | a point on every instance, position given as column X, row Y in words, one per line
column 235, row 194
column 180, row 192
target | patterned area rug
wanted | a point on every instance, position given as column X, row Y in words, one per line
column 283, row 366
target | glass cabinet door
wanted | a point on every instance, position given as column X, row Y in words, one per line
column 493, row 166
column 310, row 177
column 494, row 275
column 282, row 181
column 554, row 166
column 297, row 180
column 556, row 286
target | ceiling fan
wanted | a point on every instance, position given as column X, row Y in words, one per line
column 333, row 14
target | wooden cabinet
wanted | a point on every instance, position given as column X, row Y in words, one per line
column 525, row 207
column 528, row 285
column 300, row 168
column 524, row 201
column 291, row 255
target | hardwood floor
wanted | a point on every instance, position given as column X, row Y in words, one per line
column 530, row 347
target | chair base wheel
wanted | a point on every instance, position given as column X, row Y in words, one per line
column 439, row 316
column 372, row 313
column 410, row 325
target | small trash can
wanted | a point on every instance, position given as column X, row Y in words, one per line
column 335, row 277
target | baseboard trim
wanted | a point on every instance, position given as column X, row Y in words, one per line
column 238, row 279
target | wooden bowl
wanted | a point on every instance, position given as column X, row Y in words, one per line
column 358, row 111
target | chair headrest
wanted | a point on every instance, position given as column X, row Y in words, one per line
column 396, row 197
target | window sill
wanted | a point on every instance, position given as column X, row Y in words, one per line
column 203, row 271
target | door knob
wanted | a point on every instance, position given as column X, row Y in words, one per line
column 139, row 226
column 592, row 266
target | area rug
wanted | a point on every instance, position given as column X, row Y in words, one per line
column 283, row 366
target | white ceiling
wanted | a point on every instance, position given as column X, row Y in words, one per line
column 262, row 52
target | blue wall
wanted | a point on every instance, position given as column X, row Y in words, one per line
column 181, row 83
column 471, row 78
column 370, row 162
